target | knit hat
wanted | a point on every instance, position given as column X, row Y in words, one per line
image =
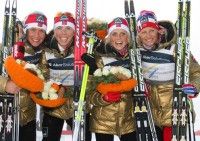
column 147, row 19
column 118, row 23
column 64, row 19
column 35, row 20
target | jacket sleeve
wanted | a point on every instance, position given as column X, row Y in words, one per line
column 96, row 99
column 195, row 73
column 3, row 82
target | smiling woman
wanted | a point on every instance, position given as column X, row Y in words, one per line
column 35, row 28
column 64, row 33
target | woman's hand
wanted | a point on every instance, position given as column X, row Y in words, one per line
column 190, row 90
column 61, row 92
column 112, row 97
column 12, row 88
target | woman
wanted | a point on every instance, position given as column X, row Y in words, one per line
column 157, row 42
column 59, row 60
column 35, row 26
column 112, row 113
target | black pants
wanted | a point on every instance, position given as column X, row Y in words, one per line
column 159, row 133
column 28, row 132
column 52, row 128
column 125, row 137
column 108, row 137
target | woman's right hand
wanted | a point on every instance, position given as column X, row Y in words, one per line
column 11, row 87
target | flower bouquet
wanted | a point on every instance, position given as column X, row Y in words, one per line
column 100, row 27
column 113, row 79
column 24, row 74
column 49, row 97
column 29, row 77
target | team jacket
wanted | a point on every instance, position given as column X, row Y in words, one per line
column 59, row 66
column 27, row 106
column 111, row 118
column 158, row 70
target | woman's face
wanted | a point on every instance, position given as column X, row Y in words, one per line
column 149, row 37
column 119, row 39
column 64, row 35
column 35, row 36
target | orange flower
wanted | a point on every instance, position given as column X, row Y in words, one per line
column 101, row 33
column 122, row 86
column 22, row 77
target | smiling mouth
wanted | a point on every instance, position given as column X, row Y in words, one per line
column 63, row 39
column 118, row 43
column 35, row 40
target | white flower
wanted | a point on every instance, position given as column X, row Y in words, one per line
column 124, row 71
column 127, row 72
column 45, row 95
column 47, row 86
column 49, row 92
column 113, row 70
column 53, row 96
column 112, row 74
column 116, row 70
column 106, row 70
column 98, row 72
column 120, row 70
column 31, row 66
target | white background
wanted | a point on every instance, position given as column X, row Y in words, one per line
column 109, row 9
